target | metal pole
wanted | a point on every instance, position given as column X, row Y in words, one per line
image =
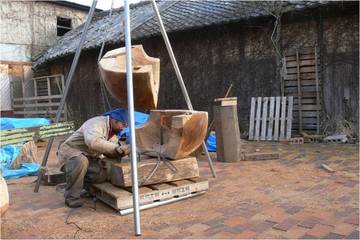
column 135, row 187
column 156, row 204
column 67, row 87
column 179, row 77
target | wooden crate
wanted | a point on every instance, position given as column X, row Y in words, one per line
column 271, row 118
column 121, row 198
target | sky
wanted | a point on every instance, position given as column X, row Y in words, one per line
column 102, row 4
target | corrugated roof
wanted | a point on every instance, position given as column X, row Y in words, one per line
column 177, row 15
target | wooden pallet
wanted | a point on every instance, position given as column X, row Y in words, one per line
column 270, row 118
column 121, row 198
column 302, row 80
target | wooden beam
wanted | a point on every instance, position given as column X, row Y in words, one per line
column 120, row 174
column 299, row 92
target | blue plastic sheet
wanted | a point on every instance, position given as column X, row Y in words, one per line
column 27, row 169
column 211, row 143
column 10, row 123
column 9, row 153
column 7, row 156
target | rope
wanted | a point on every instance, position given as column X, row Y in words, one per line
column 160, row 159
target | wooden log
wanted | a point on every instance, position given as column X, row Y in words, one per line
column 182, row 132
column 146, row 77
column 185, row 168
column 228, row 146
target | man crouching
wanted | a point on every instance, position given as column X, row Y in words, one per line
column 79, row 155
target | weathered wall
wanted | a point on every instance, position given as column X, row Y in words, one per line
column 29, row 27
column 241, row 53
column 26, row 29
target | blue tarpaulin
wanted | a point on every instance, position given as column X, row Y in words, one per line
column 27, row 169
column 141, row 118
column 10, row 123
column 9, row 153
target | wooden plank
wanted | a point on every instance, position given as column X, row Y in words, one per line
column 304, row 76
column 305, row 69
column 54, row 104
column 121, row 172
column 317, row 93
column 299, row 91
column 260, row 156
column 289, row 118
column 36, row 112
column 277, row 118
column 271, row 119
column 37, row 98
column 310, row 62
column 283, row 118
column 307, row 107
column 264, row 118
column 293, row 83
column 304, row 89
column 258, row 118
column 120, row 199
column 307, row 121
column 252, row 118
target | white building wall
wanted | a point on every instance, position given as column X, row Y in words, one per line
column 26, row 29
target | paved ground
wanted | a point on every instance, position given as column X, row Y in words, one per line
column 292, row 197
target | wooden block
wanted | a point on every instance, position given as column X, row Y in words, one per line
column 260, row 156
column 54, row 177
column 227, row 130
column 120, row 198
column 121, row 172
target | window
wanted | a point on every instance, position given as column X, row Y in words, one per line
column 63, row 25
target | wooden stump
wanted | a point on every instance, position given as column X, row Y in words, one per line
column 228, row 148
column 121, row 172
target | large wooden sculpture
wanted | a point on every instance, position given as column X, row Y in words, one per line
column 173, row 133
column 146, row 77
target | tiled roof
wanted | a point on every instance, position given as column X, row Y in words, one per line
column 177, row 15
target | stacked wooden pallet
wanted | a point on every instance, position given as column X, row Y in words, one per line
column 302, row 81
column 159, row 181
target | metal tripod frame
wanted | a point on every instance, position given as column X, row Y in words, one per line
column 136, row 205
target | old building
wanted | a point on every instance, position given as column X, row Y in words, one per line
column 27, row 28
column 221, row 42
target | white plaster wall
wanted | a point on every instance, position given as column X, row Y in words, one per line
column 32, row 24
column 15, row 52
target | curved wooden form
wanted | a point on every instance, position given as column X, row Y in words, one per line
column 4, row 196
column 146, row 77
column 182, row 132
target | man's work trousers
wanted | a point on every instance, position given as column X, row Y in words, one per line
column 81, row 172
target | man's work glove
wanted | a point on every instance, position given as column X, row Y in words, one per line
column 123, row 150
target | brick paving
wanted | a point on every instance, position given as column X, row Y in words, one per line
column 292, row 197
